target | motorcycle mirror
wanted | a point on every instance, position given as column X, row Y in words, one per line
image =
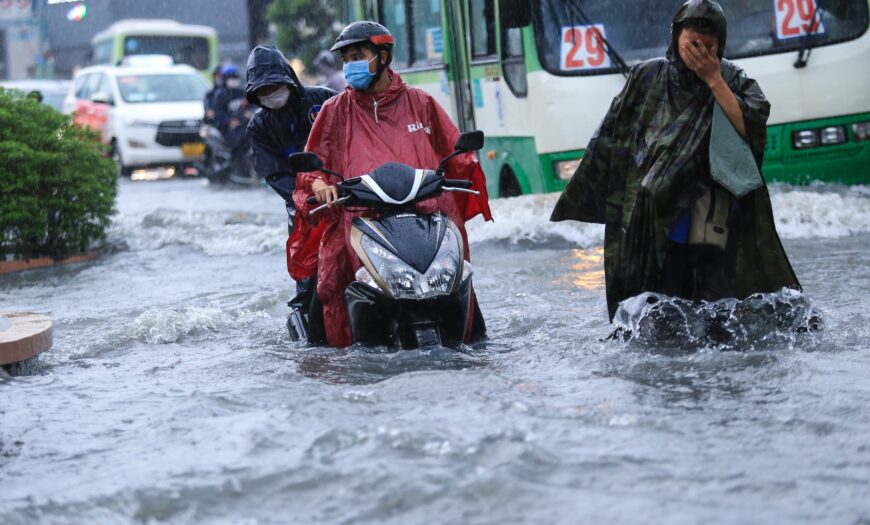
column 304, row 162
column 469, row 141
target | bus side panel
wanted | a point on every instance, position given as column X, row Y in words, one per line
column 434, row 82
column 516, row 153
column 847, row 163
column 118, row 54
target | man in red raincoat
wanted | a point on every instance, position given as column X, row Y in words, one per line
column 377, row 119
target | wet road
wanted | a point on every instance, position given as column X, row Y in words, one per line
column 173, row 394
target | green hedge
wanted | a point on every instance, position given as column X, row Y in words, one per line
column 58, row 186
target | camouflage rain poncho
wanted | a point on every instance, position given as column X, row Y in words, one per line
column 649, row 161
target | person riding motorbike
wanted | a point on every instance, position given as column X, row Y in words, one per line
column 277, row 130
column 226, row 157
column 379, row 120
column 230, row 103
column 209, row 100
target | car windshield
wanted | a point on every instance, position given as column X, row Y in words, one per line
column 183, row 49
column 568, row 43
column 180, row 87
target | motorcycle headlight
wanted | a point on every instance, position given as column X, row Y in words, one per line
column 365, row 277
column 467, row 270
column 404, row 282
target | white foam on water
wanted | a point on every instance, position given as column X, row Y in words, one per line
column 526, row 219
column 803, row 214
column 819, row 211
column 807, row 212
column 171, row 325
column 212, row 232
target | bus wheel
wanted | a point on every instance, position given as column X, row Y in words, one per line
column 508, row 185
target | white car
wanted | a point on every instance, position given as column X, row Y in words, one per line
column 52, row 91
column 149, row 115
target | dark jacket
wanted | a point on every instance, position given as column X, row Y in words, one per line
column 275, row 134
column 226, row 105
column 649, row 160
column 209, row 100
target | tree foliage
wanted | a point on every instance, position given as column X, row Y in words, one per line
column 306, row 27
column 58, row 186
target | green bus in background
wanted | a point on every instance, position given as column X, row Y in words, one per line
column 193, row 45
column 537, row 76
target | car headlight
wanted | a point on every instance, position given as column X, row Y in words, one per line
column 404, row 282
column 565, row 168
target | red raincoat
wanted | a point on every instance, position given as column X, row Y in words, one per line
column 354, row 133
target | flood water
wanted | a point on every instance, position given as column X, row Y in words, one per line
column 173, row 394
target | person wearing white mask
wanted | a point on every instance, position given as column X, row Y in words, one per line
column 279, row 129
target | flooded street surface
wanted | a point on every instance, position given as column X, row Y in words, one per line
column 173, row 394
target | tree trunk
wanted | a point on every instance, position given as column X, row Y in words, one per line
column 258, row 32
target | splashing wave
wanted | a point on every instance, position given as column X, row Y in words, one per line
column 759, row 321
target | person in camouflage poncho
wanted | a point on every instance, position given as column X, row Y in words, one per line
column 649, row 163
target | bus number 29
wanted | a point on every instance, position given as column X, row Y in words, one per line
column 583, row 48
column 793, row 18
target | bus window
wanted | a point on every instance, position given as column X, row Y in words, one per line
column 513, row 61
column 103, row 52
column 393, row 16
column 428, row 35
column 639, row 30
column 189, row 50
column 482, row 29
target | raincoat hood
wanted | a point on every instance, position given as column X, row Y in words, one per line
column 698, row 10
column 266, row 65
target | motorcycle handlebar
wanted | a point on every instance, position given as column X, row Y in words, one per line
column 457, row 183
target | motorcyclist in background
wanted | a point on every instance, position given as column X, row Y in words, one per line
column 232, row 112
column 230, row 103
column 209, row 101
column 279, row 129
column 328, row 75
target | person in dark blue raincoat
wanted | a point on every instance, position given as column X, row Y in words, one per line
column 279, row 129
column 209, row 100
column 229, row 106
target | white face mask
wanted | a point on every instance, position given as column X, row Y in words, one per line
column 234, row 83
column 277, row 99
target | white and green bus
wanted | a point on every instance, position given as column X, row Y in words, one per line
column 194, row 45
column 538, row 77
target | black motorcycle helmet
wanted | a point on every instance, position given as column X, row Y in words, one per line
column 372, row 34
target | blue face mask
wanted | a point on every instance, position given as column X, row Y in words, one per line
column 357, row 74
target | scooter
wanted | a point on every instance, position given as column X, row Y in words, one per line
column 413, row 289
column 226, row 159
